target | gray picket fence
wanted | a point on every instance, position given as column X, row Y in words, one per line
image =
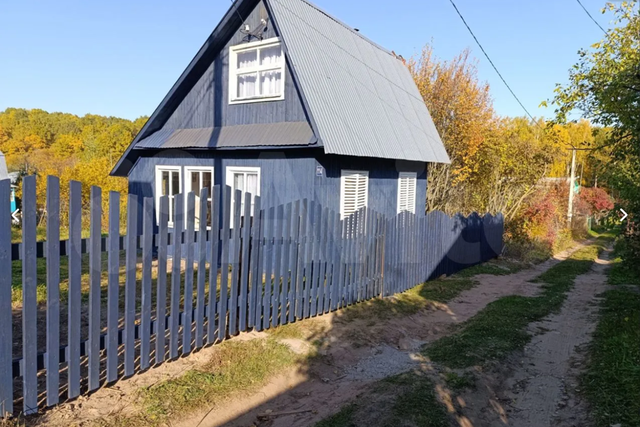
column 196, row 283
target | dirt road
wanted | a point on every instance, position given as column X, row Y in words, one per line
column 327, row 386
column 539, row 386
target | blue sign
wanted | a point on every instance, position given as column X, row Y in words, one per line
column 319, row 170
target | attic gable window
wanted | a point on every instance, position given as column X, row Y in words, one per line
column 354, row 191
column 256, row 71
column 407, row 192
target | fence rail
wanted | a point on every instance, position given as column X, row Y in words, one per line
column 279, row 265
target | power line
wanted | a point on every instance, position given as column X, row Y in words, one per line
column 490, row 61
column 589, row 14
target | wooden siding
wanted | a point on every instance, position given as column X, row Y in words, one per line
column 288, row 175
column 207, row 104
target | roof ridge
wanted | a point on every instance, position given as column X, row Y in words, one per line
column 357, row 33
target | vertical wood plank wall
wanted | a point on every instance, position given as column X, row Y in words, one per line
column 249, row 268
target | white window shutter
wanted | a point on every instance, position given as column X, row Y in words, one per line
column 407, row 192
column 354, row 191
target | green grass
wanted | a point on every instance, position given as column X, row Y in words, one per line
column 499, row 328
column 410, row 302
column 622, row 273
column 459, row 382
column 497, row 267
column 235, row 366
column 409, row 397
column 611, row 382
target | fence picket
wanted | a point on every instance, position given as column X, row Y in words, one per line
column 188, row 275
column 202, row 267
column 53, row 290
column 161, row 284
column 113, row 286
column 268, row 269
column 285, row 268
column 224, row 263
column 315, row 268
column 293, row 259
column 277, row 269
column 74, row 291
column 130, row 285
column 145, row 311
column 235, row 262
column 6, row 337
column 213, row 266
column 300, row 266
column 176, row 267
column 29, row 297
column 95, row 273
column 255, row 292
column 244, row 278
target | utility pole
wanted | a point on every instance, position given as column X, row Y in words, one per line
column 571, row 185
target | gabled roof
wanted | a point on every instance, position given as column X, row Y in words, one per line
column 361, row 99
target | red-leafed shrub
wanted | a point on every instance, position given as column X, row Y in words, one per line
column 594, row 202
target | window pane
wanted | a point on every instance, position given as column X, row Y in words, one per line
column 207, row 181
column 247, row 59
column 270, row 55
column 175, row 183
column 270, row 83
column 164, row 190
column 238, row 181
column 195, row 182
column 252, row 183
column 247, row 85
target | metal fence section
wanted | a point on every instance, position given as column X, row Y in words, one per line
column 114, row 306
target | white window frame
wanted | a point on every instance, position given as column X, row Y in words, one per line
column 233, row 70
column 187, row 186
column 413, row 176
column 159, row 170
column 229, row 172
column 343, row 175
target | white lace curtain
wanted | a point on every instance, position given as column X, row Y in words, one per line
column 260, row 83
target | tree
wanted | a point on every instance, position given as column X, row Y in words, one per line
column 604, row 86
column 462, row 111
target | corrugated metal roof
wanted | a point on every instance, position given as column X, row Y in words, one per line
column 255, row 135
column 362, row 98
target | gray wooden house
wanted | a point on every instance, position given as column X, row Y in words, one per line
column 286, row 102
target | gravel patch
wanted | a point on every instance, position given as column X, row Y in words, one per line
column 383, row 362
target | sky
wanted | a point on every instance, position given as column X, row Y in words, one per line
column 120, row 58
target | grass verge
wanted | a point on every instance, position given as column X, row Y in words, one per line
column 407, row 399
column 611, row 382
column 234, row 367
column 499, row 328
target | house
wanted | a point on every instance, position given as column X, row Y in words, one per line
column 286, row 102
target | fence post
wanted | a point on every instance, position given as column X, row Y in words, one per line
column 6, row 339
